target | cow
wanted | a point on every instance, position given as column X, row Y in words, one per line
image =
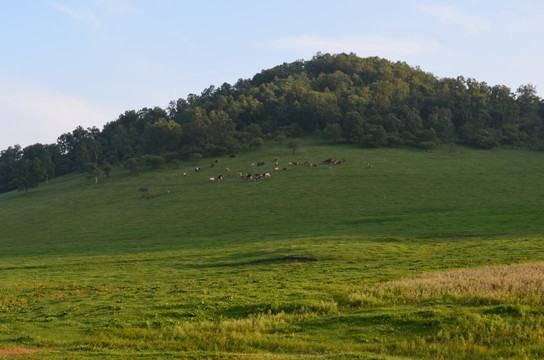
column 212, row 179
column 260, row 163
column 220, row 177
column 184, row 174
column 239, row 174
column 249, row 176
column 276, row 169
column 266, row 175
column 197, row 169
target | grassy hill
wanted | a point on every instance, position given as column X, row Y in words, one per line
column 319, row 262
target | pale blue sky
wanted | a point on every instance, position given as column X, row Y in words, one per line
column 66, row 63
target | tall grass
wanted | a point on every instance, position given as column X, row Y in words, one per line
column 517, row 283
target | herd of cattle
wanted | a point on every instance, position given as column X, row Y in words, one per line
column 256, row 176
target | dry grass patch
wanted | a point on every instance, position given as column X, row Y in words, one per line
column 16, row 351
column 518, row 283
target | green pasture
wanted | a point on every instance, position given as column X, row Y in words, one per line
column 301, row 265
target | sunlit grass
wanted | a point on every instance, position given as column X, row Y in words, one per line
column 517, row 283
column 428, row 255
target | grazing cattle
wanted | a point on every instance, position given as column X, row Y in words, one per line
column 277, row 159
column 276, row 169
column 212, row 165
column 197, row 169
column 331, row 161
column 252, row 164
column 232, row 156
column 239, row 174
column 220, row 177
column 370, row 166
column 266, row 175
column 184, row 174
column 260, row 163
column 212, row 179
column 314, row 165
column 296, row 163
column 249, row 176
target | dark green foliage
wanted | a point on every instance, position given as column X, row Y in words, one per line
column 293, row 145
column 155, row 161
column 106, row 168
column 92, row 171
column 30, row 173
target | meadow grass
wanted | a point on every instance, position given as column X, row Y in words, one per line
column 431, row 255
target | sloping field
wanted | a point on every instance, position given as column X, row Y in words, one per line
column 424, row 255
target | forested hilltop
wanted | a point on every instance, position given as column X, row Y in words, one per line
column 368, row 101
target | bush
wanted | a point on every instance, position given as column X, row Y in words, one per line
column 155, row 161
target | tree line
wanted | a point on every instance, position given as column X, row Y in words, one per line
column 371, row 101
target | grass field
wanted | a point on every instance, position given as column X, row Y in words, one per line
column 426, row 255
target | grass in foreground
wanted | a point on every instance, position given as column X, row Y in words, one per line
column 426, row 255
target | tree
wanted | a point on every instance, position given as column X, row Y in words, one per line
column 92, row 171
column 257, row 143
column 155, row 161
column 163, row 136
column 132, row 165
column 333, row 131
column 293, row 145
column 107, row 168
column 41, row 152
column 30, row 174
column 9, row 163
column 354, row 127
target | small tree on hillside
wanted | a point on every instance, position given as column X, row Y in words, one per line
column 132, row 165
column 92, row 171
column 293, row 145
column 155, row 161
column 107, row 168
column 333, row 131
column 30, row 175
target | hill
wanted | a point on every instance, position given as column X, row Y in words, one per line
column 414, row 257
column 369, row 102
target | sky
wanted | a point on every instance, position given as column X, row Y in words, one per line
column 69, row 63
